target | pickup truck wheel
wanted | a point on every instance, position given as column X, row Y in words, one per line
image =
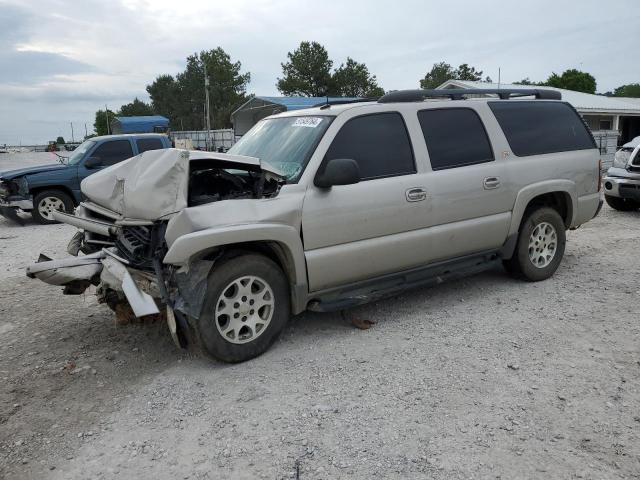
column 622, row 204
column 540, row 248
column 245, row 308
column 45, row 202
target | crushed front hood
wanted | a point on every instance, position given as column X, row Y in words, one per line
column 154, row 184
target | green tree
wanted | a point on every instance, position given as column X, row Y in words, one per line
column 165, row 96
column 307, row 73
column 135, row 108
column 441, row 72
column 60, row 140
column 182, row 99
column 630, row 90
column 100, row 124
column 525, row 81
column 465, row 72
column 354, row 80
column 572, row 79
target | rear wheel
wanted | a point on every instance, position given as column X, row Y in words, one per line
column 245, row 309
column 48, row 201
column 622, row 204
column 540, row 247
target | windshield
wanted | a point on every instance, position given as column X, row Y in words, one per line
column 79, row 152
column 285, row 143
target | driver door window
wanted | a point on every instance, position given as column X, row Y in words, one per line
column 379, row 143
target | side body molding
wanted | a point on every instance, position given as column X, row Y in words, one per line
column 529, row 192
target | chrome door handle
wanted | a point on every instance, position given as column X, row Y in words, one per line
column 490, row 183
column 416, row 194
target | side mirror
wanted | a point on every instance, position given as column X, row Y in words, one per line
column 339, row 171
column 93, row 162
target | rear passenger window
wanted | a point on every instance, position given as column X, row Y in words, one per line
column 113, row 152
column 535, row 127
column 379, row 143
column 145, row 144
column 455, row 137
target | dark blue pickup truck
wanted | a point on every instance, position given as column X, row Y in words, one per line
column 45, row 188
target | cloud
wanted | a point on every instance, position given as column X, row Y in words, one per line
column 29, row 67
column 66, row 59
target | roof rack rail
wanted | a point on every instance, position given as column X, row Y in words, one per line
column 460, row 93
column 328, row 103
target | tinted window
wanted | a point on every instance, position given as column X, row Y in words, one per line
column 534, row 128
column 455, row 137
column 379, row 143
column 113, row 152
column 145, row 144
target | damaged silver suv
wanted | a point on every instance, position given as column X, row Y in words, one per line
column 331, row 207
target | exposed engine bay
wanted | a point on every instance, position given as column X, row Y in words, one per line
column 211, row 184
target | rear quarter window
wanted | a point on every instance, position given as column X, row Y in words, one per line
column 146, row 144
column 537, row 127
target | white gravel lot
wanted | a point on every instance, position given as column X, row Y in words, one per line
column 486, row 377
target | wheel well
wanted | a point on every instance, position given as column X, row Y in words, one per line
column 559, row 201
column 272, row 250
column 34, row 191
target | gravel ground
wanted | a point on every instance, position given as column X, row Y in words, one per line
column 486, row 377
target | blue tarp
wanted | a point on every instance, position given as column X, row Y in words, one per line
column 142, row 124
column 297, row 103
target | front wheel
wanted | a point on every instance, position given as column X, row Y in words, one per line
column 246, row 307
column 48, row 201
column 540, row 247
column 622, row 204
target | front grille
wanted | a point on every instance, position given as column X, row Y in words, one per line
column 135, row 245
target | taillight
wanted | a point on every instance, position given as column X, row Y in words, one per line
column 599, row 175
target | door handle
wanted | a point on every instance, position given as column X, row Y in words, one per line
column 490, row 183
column 416, row 194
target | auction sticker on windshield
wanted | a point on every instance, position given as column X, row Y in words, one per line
column 311, row 122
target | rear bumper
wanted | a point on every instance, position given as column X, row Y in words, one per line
column 105, row 269
column 622, row 187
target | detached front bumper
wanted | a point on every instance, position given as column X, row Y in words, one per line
column 101, row 268
column 622, row 187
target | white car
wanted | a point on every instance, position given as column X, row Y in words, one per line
column 622, row 183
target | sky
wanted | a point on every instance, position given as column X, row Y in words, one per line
column 60, row 61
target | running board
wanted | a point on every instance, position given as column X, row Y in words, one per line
column 359, row 293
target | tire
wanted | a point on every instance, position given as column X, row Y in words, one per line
column 233, row 337
column 543, row 258
column 622, row 204
column 46, row 201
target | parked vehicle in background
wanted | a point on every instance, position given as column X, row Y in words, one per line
column 622, row 182
column 331, row 207
column 45, row 188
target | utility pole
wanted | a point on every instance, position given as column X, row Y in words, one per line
column 72, row 139
column 85, row 131
column 207, row 112
column 106, row 112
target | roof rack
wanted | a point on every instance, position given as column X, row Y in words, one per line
column 328, row 103
column 460, row 93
